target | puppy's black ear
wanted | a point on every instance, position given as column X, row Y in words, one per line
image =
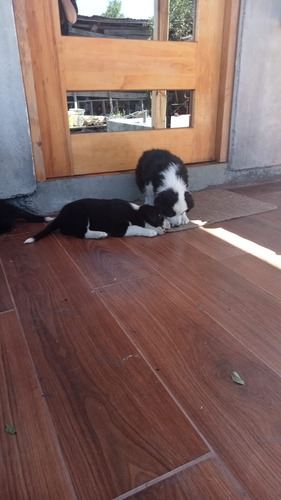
column 165, row 201
column 151, row 215
column 189, row 200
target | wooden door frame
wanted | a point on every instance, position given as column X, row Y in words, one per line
column 51, row 66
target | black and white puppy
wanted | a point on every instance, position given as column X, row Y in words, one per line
column 9, row 213
column 163, row 179
column 98, row 218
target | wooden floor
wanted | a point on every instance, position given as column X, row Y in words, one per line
column 116, row 358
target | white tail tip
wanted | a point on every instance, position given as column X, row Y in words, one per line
column 29, row 240
column 49, row 219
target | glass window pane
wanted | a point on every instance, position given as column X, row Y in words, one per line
column 116, row 111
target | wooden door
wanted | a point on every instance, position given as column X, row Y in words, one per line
column 53, row 65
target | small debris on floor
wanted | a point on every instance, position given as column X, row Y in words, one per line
column 10, row 429
column 237, row 379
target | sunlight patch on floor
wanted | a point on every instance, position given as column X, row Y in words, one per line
column 199, row 222
column 250, row 247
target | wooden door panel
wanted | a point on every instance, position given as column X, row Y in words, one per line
column 112, row 64
column 60, row 64
column 119, row 151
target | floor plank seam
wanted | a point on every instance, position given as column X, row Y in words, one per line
column 223, row 262
column 215, row 320
column 162, row 382
column 231, row 475
column 85, row 277
column 248, row 349
column 6, row 311
column 165, row 476
column 44, row 401
column 8, row 286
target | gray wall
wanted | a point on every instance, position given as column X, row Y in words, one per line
column 255, row 145
column 256, row 126
column 16, row 164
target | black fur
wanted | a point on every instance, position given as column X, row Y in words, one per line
column 110, row 216
column 151, row 167
column 165, row 201
column 9, row 213
column 163, row 178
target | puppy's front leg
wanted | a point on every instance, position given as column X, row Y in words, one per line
column 140, row 231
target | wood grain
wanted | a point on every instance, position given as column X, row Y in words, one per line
column 255, row 229
column 105, row 262
column 195, row 357
column 5, row 297
column 156, row 65
column 248, row 312
column 209, row 35
column 119, row 151
column 103, row 398
column 31, row 462
column 210, row 245
column 138, row 399
column 206, row 480
column 21, row 22
column 228, row 59
column 39, row 37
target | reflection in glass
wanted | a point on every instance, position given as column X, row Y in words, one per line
column 135, row 19
column 94, row 112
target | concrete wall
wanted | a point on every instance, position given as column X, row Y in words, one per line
column 16, row 164
column 255, row 145
column 256, row 125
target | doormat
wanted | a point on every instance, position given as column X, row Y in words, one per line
column 217, row 205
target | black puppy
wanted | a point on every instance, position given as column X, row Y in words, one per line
column 95, row 218
column 9, row 213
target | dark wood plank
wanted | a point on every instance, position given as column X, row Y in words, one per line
column 105, row 261
column 22, row 227
column 206, row 480
column 195, row 357
column 263, row 274
column 212, row 246
column 116, row 425
column 254, row 229
column 31, row 463
column 6, row 302
column 247, row 311
column 259, row 189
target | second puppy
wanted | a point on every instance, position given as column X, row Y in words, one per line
column 163, row 179
column 98, row 218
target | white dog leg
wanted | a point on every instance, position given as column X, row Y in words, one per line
column 95, row 235
column 140, row 231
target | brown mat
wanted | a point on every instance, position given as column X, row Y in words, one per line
column 217, row 205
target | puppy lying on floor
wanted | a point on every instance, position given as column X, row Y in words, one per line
column 97, row 219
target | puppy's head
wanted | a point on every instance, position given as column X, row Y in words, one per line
column 170, row 204
column 152, row 215
column 166, row 201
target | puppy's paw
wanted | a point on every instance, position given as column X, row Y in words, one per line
column 160, row 230
column 152, row 232
column 184, row 219
column 166, row 224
